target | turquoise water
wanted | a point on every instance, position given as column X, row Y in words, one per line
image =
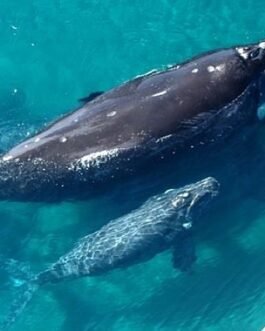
column 53, row 53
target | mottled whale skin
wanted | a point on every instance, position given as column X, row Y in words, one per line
column 163, row 222
column 116, row 134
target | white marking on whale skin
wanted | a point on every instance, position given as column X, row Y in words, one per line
column 159, row 93
column 187, row 225
column 195, row 70
column 176, row 202
column 220, row 67
column 7, row 158
column 169, row 190
column 261, row 112
column 111, row 114
column 26, row 146
column 37, row 140
column 262, row 45
column 160, row 140
column 63, row 139
column 185, row 194
column 96, row 159
column 242, row 52
column 210, row 68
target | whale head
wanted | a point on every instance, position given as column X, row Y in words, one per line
column 253, row 57
column 190, row 200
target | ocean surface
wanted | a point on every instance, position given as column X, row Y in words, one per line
column 54, row 52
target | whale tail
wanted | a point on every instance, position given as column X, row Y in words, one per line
column 17, row 307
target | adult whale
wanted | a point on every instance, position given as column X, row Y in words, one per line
column 119, row 132
column 162, row 222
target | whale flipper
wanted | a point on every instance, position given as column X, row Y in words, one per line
column 184, row 254
column 91, row 96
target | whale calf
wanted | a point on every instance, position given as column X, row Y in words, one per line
column 122, row 131
column 162, row 222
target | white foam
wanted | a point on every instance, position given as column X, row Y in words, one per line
column 97, row 158
column 262, row 45
column 7, row 158
column 159, row 93
column 153, row 71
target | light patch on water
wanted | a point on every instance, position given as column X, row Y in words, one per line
column 207, row 254
column 261, row 112
column 159, row 93
column 252, row 239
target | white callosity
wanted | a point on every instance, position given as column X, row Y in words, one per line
column 158, row 94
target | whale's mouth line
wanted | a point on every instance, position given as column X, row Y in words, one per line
column 202, row 199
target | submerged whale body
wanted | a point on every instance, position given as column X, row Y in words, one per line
column 163, row 222
column 118, row 133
